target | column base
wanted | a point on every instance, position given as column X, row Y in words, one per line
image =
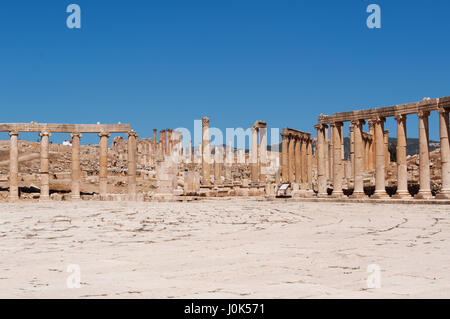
column 423, row 195
column 380, row 195
column 338, row 195
column 75, row 198
column 322, row 195
column 13, row 199
column 45, row 198
column 357, row 195
column 402, row 195
column 443, row 195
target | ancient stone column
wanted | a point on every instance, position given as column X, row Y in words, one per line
column 337, row 159
column 103, row 171
column 132, row 135
column 14, row 167
column 217, row 161
column 229, row 162
column 326, row 154
column 380, row 184
column 424, row 157
column 309, row 162
column 387, row 156
column 445, row 153
column 366, row 153
column 76, row 169
column 262, row 153
column 298, row 160
column 352, row 145
column 321, row 161
column 372, row 145
column 169, row 142
column 402, row 169
column 330, row 147
column 254, row 156
column 44, row 170
column 206, row 169
column 304, row 171
column 154, row 141
column 162, row 139
column 291, row 159
column 284, row 158
column 359, row 161
column 190, row 155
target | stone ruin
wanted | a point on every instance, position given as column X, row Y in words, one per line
column 161, row 169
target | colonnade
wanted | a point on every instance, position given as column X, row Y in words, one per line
column 45, row 131
column 296, row 158
column 363, row 159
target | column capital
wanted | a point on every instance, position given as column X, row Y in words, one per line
column 13, row 133
column 132, row 133
column 400, row 117
column 443, row 110
column 104, row 134
column 76, row 134
column 378, row 120
column 358, row 122
column 422, row 114
column 205, row 121
column 41, row 134
column 337, row 124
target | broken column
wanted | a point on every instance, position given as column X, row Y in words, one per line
column 14, row 167
column 44, row 171
column 76, row 170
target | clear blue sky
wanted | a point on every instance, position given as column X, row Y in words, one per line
column 158, row 64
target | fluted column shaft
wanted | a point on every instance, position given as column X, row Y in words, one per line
column 372, row 145
column 445, row 153
column 402, row 169
column 304, row 167
column 44, row 170
column 380, row 184
column 424, row 157
column 76, row 169
column 14, row 166
column 352, row 145
column 103, row 171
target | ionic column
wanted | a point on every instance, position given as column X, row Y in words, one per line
column 380, row 184
column 76, row 170
column 321, row 161
column 229, row 162
column 132, row 135
column 205, row 152
column 326, row 154
column 387, row 156
column 284, row 158
column 162, row 139
column 217, row 161
column 424, row 157
column 337, row 159
column 372, row 145
column 330, row 146
column 154, row 141
column 298, row 160
column 352, row 145
column 263, row 153
column 44, row 170
column 14, row 167
column 291, row 159
column 254, row 156
column 303, row 165
column 103, row 171
column 359, row 160
column 309, row 162
column 402, row 169
column 169, row 142
column 445, row 153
